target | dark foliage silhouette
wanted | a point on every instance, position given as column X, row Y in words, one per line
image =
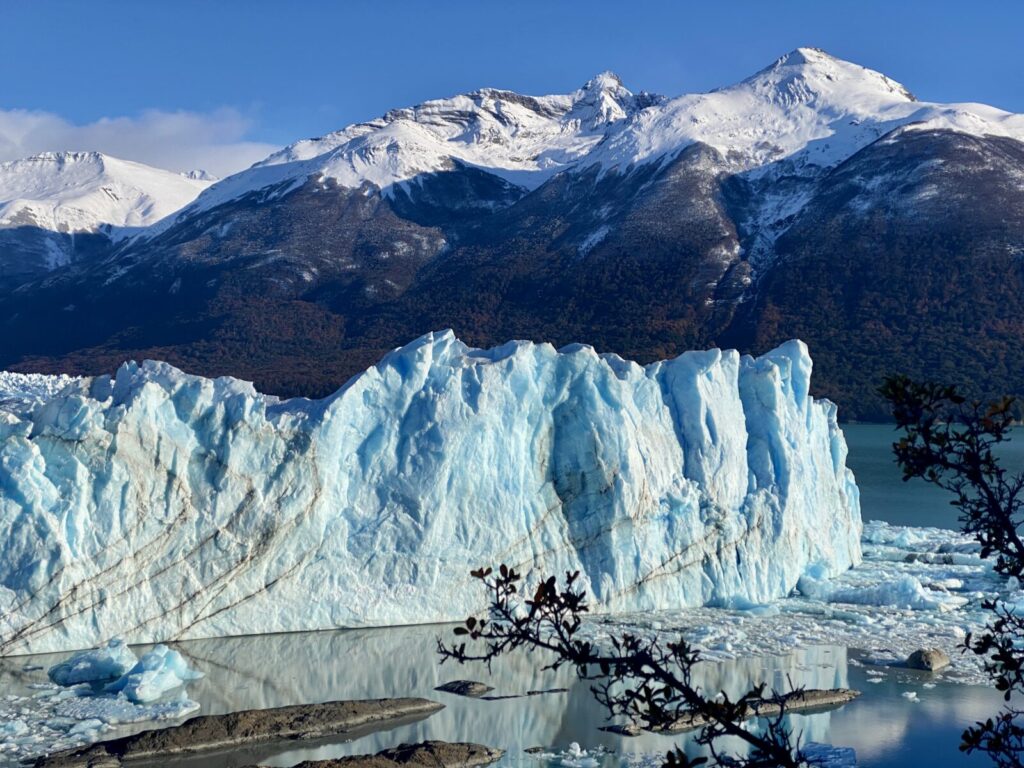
column 649, row 682
column 951, row 442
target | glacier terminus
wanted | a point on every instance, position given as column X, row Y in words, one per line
column 155, row 505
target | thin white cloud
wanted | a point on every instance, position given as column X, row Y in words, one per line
column 178, row 141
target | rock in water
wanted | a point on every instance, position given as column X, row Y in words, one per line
column 157, row 504
column 470, row 688
column 427, row 754
column 795, row 701
column 247, row 728
column 928, row 659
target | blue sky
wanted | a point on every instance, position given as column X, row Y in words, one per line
column 190, row 83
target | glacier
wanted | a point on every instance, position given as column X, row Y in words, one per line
column 155, row 505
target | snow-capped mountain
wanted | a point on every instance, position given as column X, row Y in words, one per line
column 522, row 139
column 90, row 192
column 816, row 198
column 807, row 107
column 56, row 207
column 525, row 138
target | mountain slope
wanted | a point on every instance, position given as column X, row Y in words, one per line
column 908, row 259
column 57, row 205
column 816, row 198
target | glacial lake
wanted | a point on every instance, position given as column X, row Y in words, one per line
column 903, row 718
column 884, row 495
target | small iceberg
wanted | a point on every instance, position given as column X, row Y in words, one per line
column 157, row 672
column 108, row 662
column 92, row 693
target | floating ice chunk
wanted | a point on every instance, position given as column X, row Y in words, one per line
column 575, row 756
column 921, row 540
column 157, row 672
column 107, row 662
column 1012, row 601
column 747, row 606
column 118, row 710
column 87, row 728
column 62, row 724
column 903, row 592
column 10, row 729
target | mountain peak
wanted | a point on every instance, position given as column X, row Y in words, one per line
column 82, row 191
column 806, row 74
column 63, row 157
column 604, row 81
column 199, row 174
column 603, row 99
column 805, row 55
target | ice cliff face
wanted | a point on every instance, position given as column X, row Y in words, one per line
column 157, row 505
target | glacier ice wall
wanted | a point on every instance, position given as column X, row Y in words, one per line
column 157, row 505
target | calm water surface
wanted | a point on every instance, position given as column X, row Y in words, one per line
column 884, row 495
column 886, row 729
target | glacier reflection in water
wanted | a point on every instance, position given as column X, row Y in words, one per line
column 885, row 728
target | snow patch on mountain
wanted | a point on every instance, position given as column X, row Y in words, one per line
column 90, row 192
column 159, row 505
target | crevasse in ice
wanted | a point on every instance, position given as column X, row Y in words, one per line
column 157, row 505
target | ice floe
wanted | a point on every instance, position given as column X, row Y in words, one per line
column 90, row 694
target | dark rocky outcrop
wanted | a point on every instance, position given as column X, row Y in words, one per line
column 928, row 660
column 798, row 701
column 428, row 754
column 470, row 688
column 209, row 733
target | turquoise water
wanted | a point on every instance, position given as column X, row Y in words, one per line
column 884, row 495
